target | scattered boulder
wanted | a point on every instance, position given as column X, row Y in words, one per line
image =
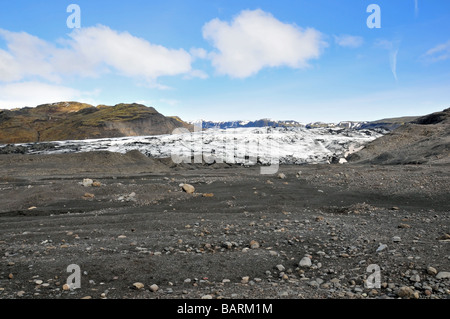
column 396, row 239
column 432, row 271
column 280, row 267
column 188, row 188
column 87, row 182
column 138, row 285
column 405, row 292
column 154, row 288
column 305, row 262
column 415, row 278
column 254, row 244
column 443, row 275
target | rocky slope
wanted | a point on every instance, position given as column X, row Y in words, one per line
column 78, row 121
column 425, row 140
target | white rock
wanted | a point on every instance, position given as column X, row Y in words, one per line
column 154, row 288
column 280, row 267
column 188, row 188
column 87, row 182
column 305, row 262
column 443, row 275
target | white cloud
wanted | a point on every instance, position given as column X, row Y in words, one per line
column 349, row 41
column 255, row 40
column 416, row 7
column 27, row 55
column 440, row 52
column 18, row 95
column 89, row 52
column 196, row 74
column 199, row 53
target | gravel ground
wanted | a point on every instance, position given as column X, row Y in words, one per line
column 315, row 232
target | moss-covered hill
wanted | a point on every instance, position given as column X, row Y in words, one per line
column 75, row 121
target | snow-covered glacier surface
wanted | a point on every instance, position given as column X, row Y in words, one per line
column 267, row 145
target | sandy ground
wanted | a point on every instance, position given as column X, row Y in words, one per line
column 240, row 235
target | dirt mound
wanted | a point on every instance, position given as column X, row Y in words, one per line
column 424, row 141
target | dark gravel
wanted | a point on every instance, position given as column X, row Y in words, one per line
column 138, row 225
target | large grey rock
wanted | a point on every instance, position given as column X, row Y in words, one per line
column 305, row 262
column 443, row 275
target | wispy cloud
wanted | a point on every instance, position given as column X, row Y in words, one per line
column 393, row 47
column 349, row 41
column 440, row 52
column 393, row 63
column 255, row 40
column 416, row 7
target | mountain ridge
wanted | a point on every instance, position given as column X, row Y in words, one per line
column 388, row 124
column 78, row 121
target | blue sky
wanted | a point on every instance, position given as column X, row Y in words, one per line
column 227, row 60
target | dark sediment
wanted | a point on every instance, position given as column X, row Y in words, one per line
column 138, row 225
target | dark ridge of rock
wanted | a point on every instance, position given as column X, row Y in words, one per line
column 425, row 140
column 434, row 118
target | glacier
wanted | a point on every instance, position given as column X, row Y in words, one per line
column 245, row 146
